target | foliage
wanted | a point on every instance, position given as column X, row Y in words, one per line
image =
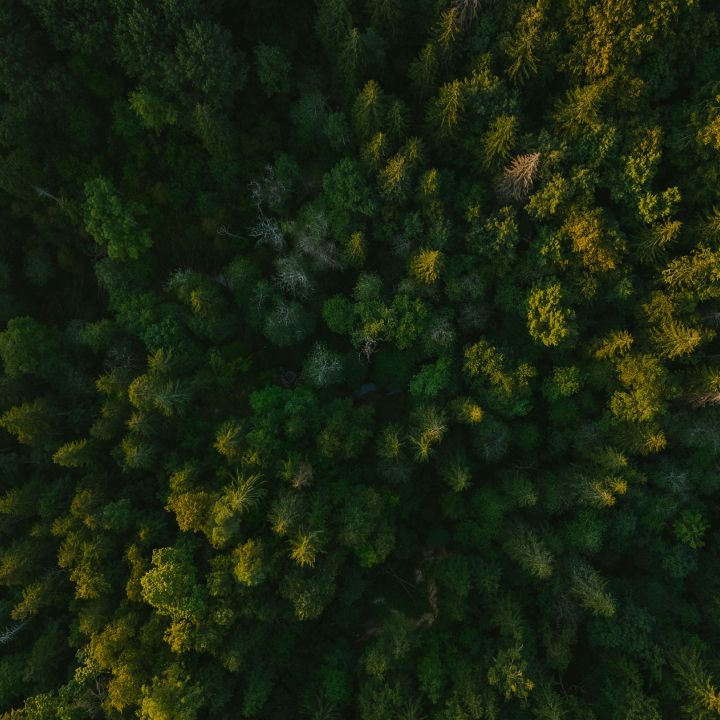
column 359, row 359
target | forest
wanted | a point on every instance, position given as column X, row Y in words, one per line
column 360, row 359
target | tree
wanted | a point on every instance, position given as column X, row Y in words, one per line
column 305, row 547
column 516, row 181
column 522, row 46
column 676, row 339
column 170, row 586
column 508, row 674
column 530, row 552
column 425, row 266
column 29, row 348
column 499, row 139
column 597, row 247
column 338, row 314
column 704, row 698
column 589, row 587
column 448, row 106
column 112, row 223
column 172, row 695
column 287, row 323
column 323, row 367
column 273, row 69
column 548, row 322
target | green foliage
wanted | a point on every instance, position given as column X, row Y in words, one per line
column 359, row 359
column 28, row 347
column 690, row 529
column 111, row 222
column 273, row 69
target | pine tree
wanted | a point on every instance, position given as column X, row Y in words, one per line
column 448, row 106
column 703, row 697
column 516, row 181
column 589, row 587
column 499, row 139
column 675, row 339
column 532, row 554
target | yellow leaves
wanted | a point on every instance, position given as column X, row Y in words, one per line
column 448, row 27
column 474, row 413
column 468, row 411
column 355, row 249
column 500, row 138
column 641, row 163
column 375, row 150
column 580, row 111
column 644, row 379
column 474, row 212
column 429, row 183
column 703, row 696
column 709, row 135
column 711, row 226
column 368, row 108
column 675, row 339
column 616, row 343
column 508, row 674
column 284, row 514
column 140, row 392
column 71, row 454
column 431, row 428
column 244, row 492
column 393, row 174
column 425, row 266
column 481, row 358
column 228, row 439
column 522, row 46
column 191, row 510
column 548, row 322
column 413, row 150
column 699, row 271
column 197, row 302
column 305, row 548
column 608, row 28
column 449, row 104
column 653, row 441
column 603, row 492
column 247, row 562
column 597, row 247
column 656, row 238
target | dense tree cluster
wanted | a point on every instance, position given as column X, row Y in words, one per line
column 360, row 359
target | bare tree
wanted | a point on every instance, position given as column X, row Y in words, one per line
column 11, row 631
column 269, row 189
column 267, row 232
column 516, row 181
column 292, row 277
column 323, row 367
column 369, row 344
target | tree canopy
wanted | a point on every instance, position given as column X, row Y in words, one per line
column 360, row 359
